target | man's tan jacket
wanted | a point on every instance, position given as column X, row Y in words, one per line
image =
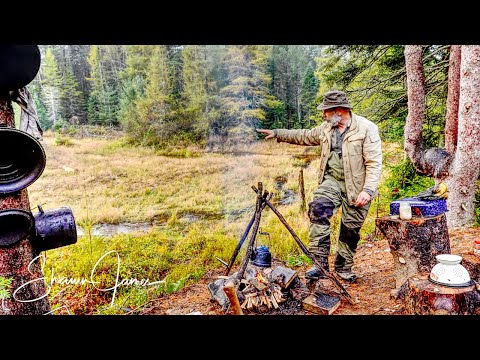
column 361, row 152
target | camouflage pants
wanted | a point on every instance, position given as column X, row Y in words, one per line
column 327, row 199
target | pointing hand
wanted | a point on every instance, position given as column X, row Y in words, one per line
column 270, row 134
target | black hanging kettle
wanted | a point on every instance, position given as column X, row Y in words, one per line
column 261, row 256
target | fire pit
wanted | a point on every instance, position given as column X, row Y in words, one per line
column 259, row 287
column 262, row 289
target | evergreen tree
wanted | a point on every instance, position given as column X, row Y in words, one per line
column 195, row 84
column 102, row 103
column 243, row 98
column 51, row 81
column 72, row 101
column 155, row 124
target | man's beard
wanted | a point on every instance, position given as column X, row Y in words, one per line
column 334, row 120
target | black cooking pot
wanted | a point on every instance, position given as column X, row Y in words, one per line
column 54, row 229
column 22, row 159
column 19, row 64
column 15, row 225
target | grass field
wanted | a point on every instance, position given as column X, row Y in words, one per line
column 198, row 204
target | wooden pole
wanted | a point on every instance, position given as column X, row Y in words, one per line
column 301, row 191
column 306, row 251
column 242, row 239
column 258, row 214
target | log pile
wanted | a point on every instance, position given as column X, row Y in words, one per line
column 260, row 290
column 264, row 287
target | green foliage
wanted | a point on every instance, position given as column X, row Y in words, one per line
column 102, row 104
column 62, row 140
column 5, row 284
column 405, row 181
column 297, row 260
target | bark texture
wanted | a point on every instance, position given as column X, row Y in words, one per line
column 16, row 261
column 451, row 119
column 466, row 165
column 459, row 167
column 414, row 244
column 423, row 297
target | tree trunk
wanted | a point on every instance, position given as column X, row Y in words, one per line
column 414, row 244
column 17, row 260
column 451, row 119
column 423, row 297
column 459, row 169
column 466, row 165
column 471, row 262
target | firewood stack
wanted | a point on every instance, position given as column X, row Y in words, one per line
column 266, row 289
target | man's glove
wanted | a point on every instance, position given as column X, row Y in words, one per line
column 439, row 191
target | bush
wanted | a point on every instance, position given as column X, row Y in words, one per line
column 405, row 181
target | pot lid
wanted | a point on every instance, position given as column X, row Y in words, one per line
column 19, row 64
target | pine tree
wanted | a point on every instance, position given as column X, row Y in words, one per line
column 155, row 123
column 72, row 101
column 195, row 84
column 51, row 81
column 243, row 99
column 102, row 104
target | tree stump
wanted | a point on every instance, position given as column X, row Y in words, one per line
column 423, row 297
column 414, row 244
column 471, row 262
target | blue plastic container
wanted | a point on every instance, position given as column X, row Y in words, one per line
column 421, row 208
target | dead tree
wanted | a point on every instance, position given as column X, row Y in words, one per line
column 457, row 164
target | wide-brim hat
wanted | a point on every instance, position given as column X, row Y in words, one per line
column 333, row 99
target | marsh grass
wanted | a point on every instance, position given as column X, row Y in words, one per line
column 113, row 182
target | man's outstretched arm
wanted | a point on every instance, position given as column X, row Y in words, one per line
column 308, row 137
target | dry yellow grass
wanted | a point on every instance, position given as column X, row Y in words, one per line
column 104, row 183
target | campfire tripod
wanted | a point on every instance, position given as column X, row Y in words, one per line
column 262, row 201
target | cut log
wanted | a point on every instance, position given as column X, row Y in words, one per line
column 414, row 244
column 321, row 304
column 230, row 290
column 471, row 262
column 423, row 297
column 274, row 301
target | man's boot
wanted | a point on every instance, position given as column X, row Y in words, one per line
column 314, row 273
column 343, row 270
